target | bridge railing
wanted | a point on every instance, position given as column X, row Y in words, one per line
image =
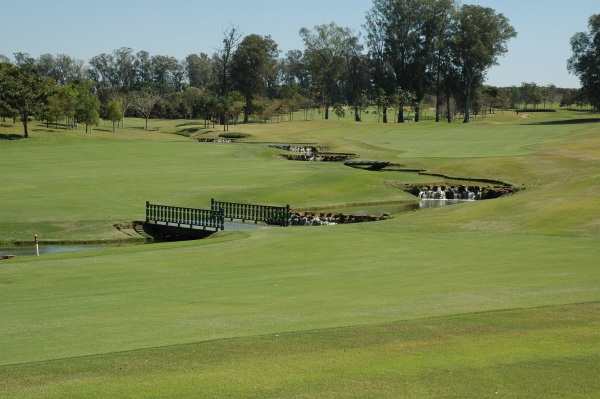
column 178, row 216
column 279, row 215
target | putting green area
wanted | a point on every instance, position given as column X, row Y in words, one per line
column 494, row 298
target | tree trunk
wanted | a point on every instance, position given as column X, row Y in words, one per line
column 401, row 114
column 25, row 132
column 417, row 112
column 385, row 115
column 438, row 106
column 356, row 115
column 468, row 103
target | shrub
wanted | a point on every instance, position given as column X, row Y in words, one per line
column 530, row 110
column 234, row 135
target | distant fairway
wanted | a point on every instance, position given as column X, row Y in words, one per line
column 496, row 298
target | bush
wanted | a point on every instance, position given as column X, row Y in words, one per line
column 530, row 110
column 234, row 135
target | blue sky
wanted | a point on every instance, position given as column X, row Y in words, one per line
column 83, row 28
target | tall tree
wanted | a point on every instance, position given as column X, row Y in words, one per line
column 22, row 59
column 199, row 70
column 585, row 61
column 143, row 67
column 124, row 63
column 382, row 72
column 222, row 63
column 325, row 55
column 294, row 69
column 480, row 36
column 223, row 59
column 251, row 67
column 168, row 71
column 103, row 70
column 356, row 71
column 403, row 23
column 24, row 92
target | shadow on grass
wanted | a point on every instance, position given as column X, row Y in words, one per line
column 11, row 136
column 568, row 122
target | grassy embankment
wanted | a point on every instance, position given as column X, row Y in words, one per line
column 497, row 298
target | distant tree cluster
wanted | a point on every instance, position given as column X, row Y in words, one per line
column 413, row 56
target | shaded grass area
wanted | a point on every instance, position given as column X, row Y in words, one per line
column 540, row 352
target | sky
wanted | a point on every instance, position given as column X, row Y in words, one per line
column 83, row 29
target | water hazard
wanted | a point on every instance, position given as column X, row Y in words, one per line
column 46, row 250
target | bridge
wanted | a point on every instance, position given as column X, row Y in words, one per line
column 165, row 220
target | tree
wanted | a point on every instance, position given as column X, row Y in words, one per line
column 23, row 92
column 56, row 108
column 199, row 70
column 114, row 113
column 585, row 61
column 294, row 69
column 69, row 98
column 531, row 93
column 22, row 59
column 380, row 69
column 124, row 66
column 325, row 56
column 222, row 61
column 223, row 58
column 480, row 37
column 401, row 99
column 168, row 71
column 548, row 94
column 356, row 70
column 408, row 35
column 103, row 70
column 143, row 67
column 144, row 100
column 88, row 105
column 251, row 66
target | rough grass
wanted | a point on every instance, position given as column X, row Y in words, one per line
column 491, row 299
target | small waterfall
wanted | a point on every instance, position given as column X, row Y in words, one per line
column 466, row 193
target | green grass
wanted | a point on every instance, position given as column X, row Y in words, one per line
column 496, row 298
column 520, row 353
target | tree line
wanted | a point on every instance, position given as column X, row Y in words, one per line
column 410, row 54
